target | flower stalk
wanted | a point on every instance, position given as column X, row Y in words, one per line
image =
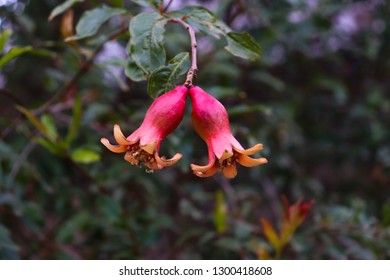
column 194, row 67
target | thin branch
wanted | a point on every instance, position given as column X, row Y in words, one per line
column 82, row 71
column 67, row 88
column 22, row 158
column 194, row 68
column 17, row 119
column 167, row 6
column 11, row 96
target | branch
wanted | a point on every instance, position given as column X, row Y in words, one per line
column 82, row 71
column 11, row 96
column 167, row 6
column 194, row 68
column 66, row 89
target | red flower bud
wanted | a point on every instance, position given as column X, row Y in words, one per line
column 211, row 121
column 143, row 145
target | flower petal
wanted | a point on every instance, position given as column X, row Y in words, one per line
column 149, row 148
column 119, row 137
column 226, row 154
column 246, row 161
column 204, row 171
column 230, row 171
column 204, row 168
column 167, row 162
column 113, row 148
column 250, row 151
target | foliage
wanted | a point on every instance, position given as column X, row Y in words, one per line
column 317, row 100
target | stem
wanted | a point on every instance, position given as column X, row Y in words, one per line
column 81, row 72
column 194, row 68
column 67, row 88
column 167, row 6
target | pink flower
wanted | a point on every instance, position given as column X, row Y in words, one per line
column 143, row 145
column 211, row 121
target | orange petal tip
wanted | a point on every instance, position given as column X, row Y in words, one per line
column 113, row 148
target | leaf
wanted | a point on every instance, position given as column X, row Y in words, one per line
column 34, row 120
column 271, row 234
column 146, row 41
column 92, row 20
column 109, row 208
column 51, row 129
column 43, row 52
column 5, row 239
column 74, row 224
column 205, row 21
column 4, row 36
column 133, row 71
column 54, row 148
column 149, row 3
column 386, row 214
column 118, row 78
column 243, row 45
column 117, row 3
column 261, row 252
column 86, row 156
column 220, row 213
column 163, row 79
column 13, row 53
column 246, row 109
column 62, row 8
column 76, row 118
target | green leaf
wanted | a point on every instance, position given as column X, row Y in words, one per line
column 133, row 71
column 220, row 212
column 109, row 208
column 92, row 20
column 243, row 45
column 117, row 76
column 4, row 36
column 146, row 41
column 86, row 156
column 51, row 129
column 76, row 118
column 13, row 53
column 74, row 224
column 271, row 234
column 34, row 120
column 62, row 8
column 164, row 79
column 246, row 109
column 149, row 3
column 5, row 239
column 43, row 52
column 117, row 3
column 54, row 148
column 386, row 214
column 205, row 21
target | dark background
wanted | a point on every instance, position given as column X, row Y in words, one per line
column 318, row 100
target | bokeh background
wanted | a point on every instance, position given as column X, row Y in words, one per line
column 318, row 100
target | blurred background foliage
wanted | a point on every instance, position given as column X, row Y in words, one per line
column 318, row 100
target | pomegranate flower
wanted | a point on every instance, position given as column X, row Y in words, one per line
column 142, row 146
column 211, row 122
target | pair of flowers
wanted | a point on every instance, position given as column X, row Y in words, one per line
column 211, row 122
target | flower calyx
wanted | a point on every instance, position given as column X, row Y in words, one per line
column 143, row 145
column 211, row 122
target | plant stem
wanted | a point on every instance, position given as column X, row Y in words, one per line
column 81, row 72
column 194, row 68
column 167, row 6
